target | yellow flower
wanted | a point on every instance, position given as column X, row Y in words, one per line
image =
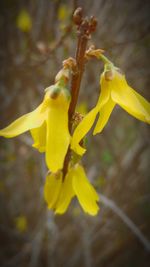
column 24, row 21
column 48, row 124
column 21, row 223
column 58, row 193
column 114, row 90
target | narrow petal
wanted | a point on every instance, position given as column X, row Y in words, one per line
column 27, row 122
column 105, row 113
column 81, row 130
column 58, row 137
column 85, row 192
column 66, row 194
column 39, row 137
column 52, row 188
column 129, row 99
column 105, row 92
column 88, row 121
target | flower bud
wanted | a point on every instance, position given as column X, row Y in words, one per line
column 63, row 74
column 77, row 16
column 93, row 24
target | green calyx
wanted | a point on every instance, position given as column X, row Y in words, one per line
column 55, row 90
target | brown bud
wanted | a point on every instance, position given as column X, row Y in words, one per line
column 70, row 63
column 77, row 117
column 93, row 24
column 84, row 27
column 85, row 23
column 77, row 16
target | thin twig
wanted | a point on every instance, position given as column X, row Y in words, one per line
column 135, row 230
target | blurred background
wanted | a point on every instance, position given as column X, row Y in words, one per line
column 36, row 36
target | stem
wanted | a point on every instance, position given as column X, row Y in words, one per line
column 85, row 27
column 76, row 77
column 75, row 87
column 105, row 59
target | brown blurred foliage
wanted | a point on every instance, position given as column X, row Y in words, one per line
column 36, row 36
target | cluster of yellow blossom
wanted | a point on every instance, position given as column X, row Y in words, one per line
column 58, row 192
column 48, row 125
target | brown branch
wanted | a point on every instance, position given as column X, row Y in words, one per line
column 85, row 27
column 77, row 76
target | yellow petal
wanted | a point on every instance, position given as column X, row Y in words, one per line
column 66, row 194
column 105, row 92
column 81, row 130
column 105, row 113
column 85, row 192
column 39, row 137
column 85, row 125
column 52, row 188
column 129, row 99
column 27, row 122
column 58, row 137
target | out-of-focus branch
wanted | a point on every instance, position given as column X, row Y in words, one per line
column 47, row 51
column 135, row 230
column 141, row 37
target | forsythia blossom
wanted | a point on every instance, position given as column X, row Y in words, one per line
column 58, row 193
column 48, row 124
column 114, row 90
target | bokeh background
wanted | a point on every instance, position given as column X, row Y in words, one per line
column 36, row 36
